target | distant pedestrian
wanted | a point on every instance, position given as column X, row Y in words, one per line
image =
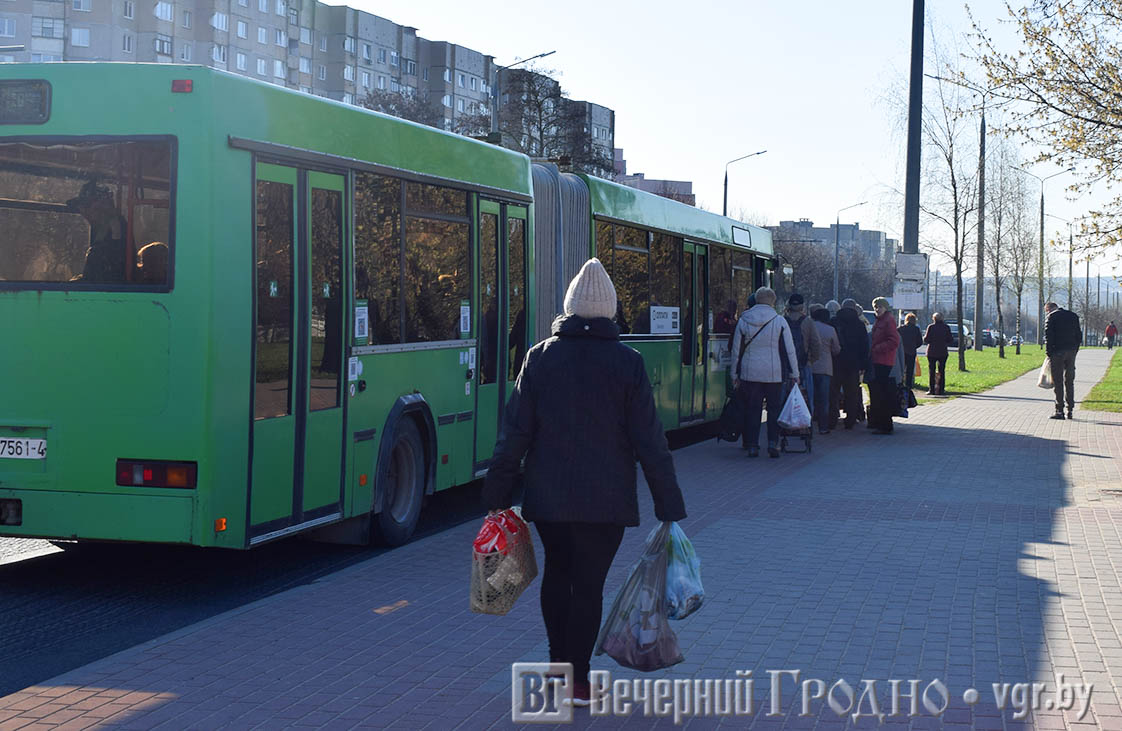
column 854, row 341
column 1111, row 334
column 823, row 368
column 769, row 340
column 807, row 345
column 911, row 338
column 581, row 413
column 882, row 390
column 938, row 338
column 832, row 306
column 1062, row 337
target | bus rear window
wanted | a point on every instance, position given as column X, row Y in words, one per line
column 86, row 214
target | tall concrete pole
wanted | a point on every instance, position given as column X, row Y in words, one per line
column 915, row 117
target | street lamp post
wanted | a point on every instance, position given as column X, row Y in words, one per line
column 495, row 139
column 725, row 207
column 1040, row 265
column 837, row 226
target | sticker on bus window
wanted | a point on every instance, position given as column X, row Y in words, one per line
column 273, row 289
column 465, row 318
column 664, row 321
column 471, row 358
column 362, row 322
column 463, row 357
column 352, row 369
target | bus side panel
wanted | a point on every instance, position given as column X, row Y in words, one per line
column 440, row 376
column 663, row 360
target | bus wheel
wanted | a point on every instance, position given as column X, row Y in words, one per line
column 402, row 485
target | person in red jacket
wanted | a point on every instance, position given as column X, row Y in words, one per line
column 1111, row 334
column 882, row 390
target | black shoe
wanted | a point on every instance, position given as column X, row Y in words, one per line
column 1070, row 415
column 882, row 431
column 1058, row 415
column 823, row 431
column 753, row 451
column 772, row 452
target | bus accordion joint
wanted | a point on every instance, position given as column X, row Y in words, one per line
column 153, row 473
column 182, row 86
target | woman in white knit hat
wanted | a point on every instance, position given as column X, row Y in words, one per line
column 581, row 411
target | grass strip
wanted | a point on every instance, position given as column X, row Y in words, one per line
column 1107, row 393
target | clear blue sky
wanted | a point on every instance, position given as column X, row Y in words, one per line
column 807, row 81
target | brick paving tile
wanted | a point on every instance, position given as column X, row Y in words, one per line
column 980, row 544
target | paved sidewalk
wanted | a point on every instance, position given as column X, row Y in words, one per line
column 980, row 544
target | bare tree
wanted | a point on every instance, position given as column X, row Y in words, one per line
column 950, row 179
column 1004, row 191
column 1021, row 250
column 414, row 107
column 532, row 115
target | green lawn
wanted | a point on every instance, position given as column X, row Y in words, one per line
column 1107, row 393
column 984, row 370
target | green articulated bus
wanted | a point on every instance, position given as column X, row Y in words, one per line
column 234, row 312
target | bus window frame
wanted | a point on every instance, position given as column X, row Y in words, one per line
column 173, row 193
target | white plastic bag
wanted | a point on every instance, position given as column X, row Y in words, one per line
column 795, row 414
column 1044, row 380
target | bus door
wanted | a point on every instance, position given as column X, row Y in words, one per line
column 297, row 445
column 502, row 318
column 695, row 332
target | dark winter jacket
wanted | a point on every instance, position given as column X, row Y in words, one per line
column 1062, row 331
column 581, row 413
column 938, row 338
column 854, row 339
column 911, row 338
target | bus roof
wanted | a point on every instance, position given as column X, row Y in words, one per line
column 253, row 110
column 630, row 205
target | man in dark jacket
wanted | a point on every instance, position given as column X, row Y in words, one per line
column 854, row 341
column 581, row 412
column 1062, row 336
column 911, row 338
column 938, row 338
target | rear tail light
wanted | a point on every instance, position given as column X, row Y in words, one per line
column 182, row 86
column 137, row 473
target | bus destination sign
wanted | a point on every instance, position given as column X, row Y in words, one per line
column 24, row 101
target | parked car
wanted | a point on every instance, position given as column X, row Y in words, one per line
column 1016, row 340
column 967, row 337
column 989, row 339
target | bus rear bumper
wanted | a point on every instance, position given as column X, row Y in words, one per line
column 97, row 516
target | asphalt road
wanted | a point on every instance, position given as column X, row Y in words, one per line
column 65, row 605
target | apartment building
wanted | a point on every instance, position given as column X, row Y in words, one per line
column 875, row 245
column 336, row 52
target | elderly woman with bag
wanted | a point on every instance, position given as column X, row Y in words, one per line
column 882, row 389
column 581, row 412
column 760, row 333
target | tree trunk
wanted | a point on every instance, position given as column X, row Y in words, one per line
column 1018, row 322
column 1000, row 320
column 958, row 315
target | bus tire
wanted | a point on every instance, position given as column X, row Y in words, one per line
column 401, row 482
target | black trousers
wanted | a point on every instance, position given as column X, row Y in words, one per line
column 849, row 380
column 882, row 398
column 937, row 385
column 910, row 367
column 755, row 394
column 577, row 559
column 1063, row 377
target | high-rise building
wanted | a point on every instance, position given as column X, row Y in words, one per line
column 336, row 52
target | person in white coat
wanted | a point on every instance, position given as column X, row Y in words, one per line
column 758, row 370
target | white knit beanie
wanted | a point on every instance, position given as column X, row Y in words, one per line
column 591, row 293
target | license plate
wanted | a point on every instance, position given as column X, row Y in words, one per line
column 23, row 448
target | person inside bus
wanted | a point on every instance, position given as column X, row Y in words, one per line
column 105, row 257
column 152, row 264
column 725, row 322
